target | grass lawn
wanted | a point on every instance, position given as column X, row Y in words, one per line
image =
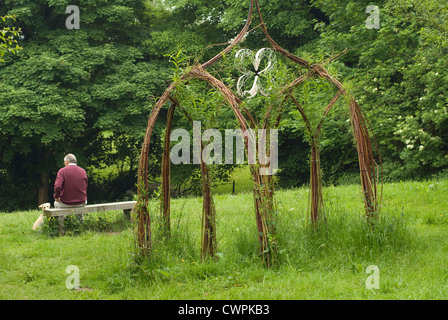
column 409, row 246
column 243, row 182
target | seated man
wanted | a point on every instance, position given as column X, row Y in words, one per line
column 70, row 187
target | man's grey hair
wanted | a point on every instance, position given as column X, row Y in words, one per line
column 70, row 158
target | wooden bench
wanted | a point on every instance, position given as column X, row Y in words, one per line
column 61, row 213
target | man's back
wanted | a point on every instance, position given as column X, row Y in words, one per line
column 71, row 185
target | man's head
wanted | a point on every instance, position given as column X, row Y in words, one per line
column 69, row 158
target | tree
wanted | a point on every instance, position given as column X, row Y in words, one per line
column 68, row 88
column 398, row 76
column 8, row 38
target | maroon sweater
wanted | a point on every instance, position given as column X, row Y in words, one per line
column 71, row 185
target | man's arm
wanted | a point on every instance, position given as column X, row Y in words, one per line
column 58, row 186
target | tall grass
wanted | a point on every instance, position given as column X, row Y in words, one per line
column 343, row 241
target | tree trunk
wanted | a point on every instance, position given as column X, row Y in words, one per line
column 42, row 193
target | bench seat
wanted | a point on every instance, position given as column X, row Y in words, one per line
column 61, row 213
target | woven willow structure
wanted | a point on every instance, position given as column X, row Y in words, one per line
column 263, row 190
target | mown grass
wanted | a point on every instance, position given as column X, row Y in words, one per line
column 242, row 179
column 408, row 245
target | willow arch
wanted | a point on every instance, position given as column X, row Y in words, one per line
column 263, row 196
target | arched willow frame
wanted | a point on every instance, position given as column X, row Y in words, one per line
column 263, row 190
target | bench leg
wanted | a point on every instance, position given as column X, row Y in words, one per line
column 61, row 225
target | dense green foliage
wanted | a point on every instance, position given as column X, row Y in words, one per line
column 90, row 91
column 399, row 77
column 8, row 38
column 397, row 74
column 84, row 91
